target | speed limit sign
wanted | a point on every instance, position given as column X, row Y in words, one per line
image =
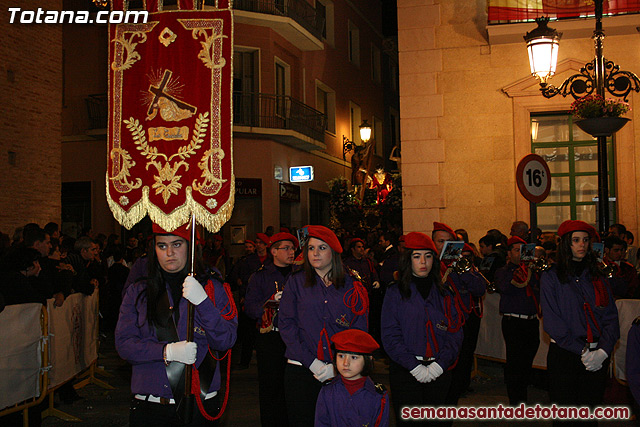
column 533, row 178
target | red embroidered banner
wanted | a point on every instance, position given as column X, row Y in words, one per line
column 170, row 123
column 523, row 10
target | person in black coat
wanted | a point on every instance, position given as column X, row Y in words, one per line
column 16, row 267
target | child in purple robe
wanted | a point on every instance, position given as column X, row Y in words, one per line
column 352, row 398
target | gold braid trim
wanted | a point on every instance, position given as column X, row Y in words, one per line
column 180, row 215
column 525, row 283
column 446, row 275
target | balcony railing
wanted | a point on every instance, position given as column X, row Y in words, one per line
column 97, row 110
column 298, row 10
column 278, row 112
column 249, row 109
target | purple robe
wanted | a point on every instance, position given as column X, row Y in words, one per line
column 633, row 359
column 564, row 315
column 512, row 299
column 136, row 340
column 304, row 312
column 337, row 408
column 404, row 331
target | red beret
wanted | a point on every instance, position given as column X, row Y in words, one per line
column 354, row 341
column 439, row 226
column 467, row 248
column 284, row 236
column 515, row 239
column 284, row 230
column 263, row 237
column 416, row 240
column 323, row 233
column 576, row 225
column 181, row 231
column 355, row 240
column 250, row 241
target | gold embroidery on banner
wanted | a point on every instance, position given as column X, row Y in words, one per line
column 168, row 134
column 163, row 98
column 130, row 47
column 167, row 173
column 167, row 37
column 208, row 51
column 170, row 112
column 138, row 135
column 167, row 182
column 179, row 216
column 212, row 203
column 201, row 208
column 199, row 132
column 210, row 162
column 122, row 177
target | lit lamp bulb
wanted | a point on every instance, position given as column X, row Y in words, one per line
column 534, row 130
column 542, row 45
column 365, row 132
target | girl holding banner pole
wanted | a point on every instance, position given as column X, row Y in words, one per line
column 152, row 330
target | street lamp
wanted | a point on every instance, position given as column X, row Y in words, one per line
column 365, row 136
column 542, row 45
column 365, row 131
column 595, row 76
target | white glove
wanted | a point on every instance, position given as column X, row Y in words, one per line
column 420, row 373
column 321, row 371
column 593, row 360
column 316, row 366
column 277, row 296
column 435, row 371
column 183, row 351
column 327, row 373
column 193, row 291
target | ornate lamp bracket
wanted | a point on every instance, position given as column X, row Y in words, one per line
column 617, row 83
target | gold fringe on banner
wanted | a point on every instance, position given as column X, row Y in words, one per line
column 179, row 216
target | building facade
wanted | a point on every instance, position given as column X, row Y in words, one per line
column 468, row 108
column 306, row 73
column 31, row 115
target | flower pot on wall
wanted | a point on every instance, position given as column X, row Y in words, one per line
column 601, row 126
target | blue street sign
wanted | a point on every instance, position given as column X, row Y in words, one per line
column 301, row 174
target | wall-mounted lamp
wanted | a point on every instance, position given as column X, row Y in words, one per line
column 365, row 131
column 365, row 136
column 346, row 147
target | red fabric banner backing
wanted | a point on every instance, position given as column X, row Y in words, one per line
column 523, row 10
column 170, row 123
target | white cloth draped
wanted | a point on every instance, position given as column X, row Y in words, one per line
column 20, row 353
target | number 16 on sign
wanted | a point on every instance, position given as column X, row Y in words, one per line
column 533, row 178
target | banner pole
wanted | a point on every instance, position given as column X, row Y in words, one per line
column 188, row 396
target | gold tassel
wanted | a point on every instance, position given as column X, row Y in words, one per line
column 178, row 217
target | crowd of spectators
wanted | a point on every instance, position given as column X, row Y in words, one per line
column 39, row 263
